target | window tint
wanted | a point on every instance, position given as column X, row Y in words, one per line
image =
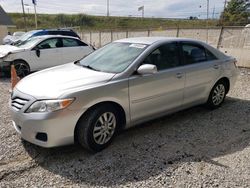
column 70, row 42
column 53, row 33
column 193, row 53
column 39, row 34
column 210, row 56
column 164, row 57
column 50, row 43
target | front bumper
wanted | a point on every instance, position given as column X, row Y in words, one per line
column 57, row 126
column 44, row 129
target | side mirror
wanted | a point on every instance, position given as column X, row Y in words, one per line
column 147, row 69
column 38, row 52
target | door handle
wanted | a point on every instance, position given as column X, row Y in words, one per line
column 179, row 75
column 216, row 66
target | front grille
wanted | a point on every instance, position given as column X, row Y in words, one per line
column 18, row 103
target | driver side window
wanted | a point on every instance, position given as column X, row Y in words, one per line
column 50, row 43
column 164, row 57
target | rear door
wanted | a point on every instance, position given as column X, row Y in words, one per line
column 74, row 50
column 202, row 69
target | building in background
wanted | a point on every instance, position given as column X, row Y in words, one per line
column 5, row 22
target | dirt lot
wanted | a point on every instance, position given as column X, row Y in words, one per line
column 192, row 148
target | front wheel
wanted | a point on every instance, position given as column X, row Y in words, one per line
column 217, row 95
column 22, row 68
column 97, row 128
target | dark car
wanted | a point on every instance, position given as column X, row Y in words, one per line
column 35, row 33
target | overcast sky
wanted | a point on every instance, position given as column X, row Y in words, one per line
column 153, row 8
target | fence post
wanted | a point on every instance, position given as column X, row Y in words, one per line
column 90, row 37
column 127, row 34
column 111, row 32
column 177, row 32
column 149, row 33
column 100, row 38
column 220, row 37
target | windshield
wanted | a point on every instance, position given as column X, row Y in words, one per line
column 25, row 37
column 114, row 57
column 28, row 43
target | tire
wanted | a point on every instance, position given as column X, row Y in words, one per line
column 94, row 123
column 217, row 95
column 22, row 68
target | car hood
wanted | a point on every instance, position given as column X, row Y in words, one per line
column 6, row 49
column 53, row 82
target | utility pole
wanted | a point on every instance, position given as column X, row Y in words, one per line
column 34, row 3
column 207, row 18
column 24, row 17
column 141, row 9
column 107, row 8
column 214, row 12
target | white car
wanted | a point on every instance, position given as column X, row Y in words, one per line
column 42, row 52
column 10, row 38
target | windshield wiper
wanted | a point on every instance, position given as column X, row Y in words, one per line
column 92, row 68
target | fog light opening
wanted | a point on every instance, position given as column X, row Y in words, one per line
column 42, row 137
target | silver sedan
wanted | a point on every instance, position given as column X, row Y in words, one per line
column 122, row 84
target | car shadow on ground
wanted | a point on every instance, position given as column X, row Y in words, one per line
column 143, row 152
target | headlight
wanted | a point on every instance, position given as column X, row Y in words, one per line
column 49, row 105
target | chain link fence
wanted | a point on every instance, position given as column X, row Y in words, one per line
column 234, row 41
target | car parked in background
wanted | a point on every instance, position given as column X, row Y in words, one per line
column 42, row 52
column 122, row 84
column 10, row 38
column 35, row 33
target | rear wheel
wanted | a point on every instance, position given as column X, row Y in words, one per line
column 22, row 68
column 97, row 128
column 217, row 95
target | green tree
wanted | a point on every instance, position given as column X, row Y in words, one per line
column 235, row 13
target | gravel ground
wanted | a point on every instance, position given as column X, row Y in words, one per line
column 192, row 148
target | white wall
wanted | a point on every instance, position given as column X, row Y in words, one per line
column 3, row 32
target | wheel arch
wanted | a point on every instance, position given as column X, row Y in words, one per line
column 226, row 81
column 20, row 59
column 118, row 107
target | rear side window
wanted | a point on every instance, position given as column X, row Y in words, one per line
column 64, row 33
column 210, row 56
column 194, row 53
column 69, row 33
column 67, row 42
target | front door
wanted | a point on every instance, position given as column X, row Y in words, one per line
column 50, row 54
column 153, row 94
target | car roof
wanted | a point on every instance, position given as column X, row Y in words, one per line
column 52, row 36
column 151, row 40
column 60, row 29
